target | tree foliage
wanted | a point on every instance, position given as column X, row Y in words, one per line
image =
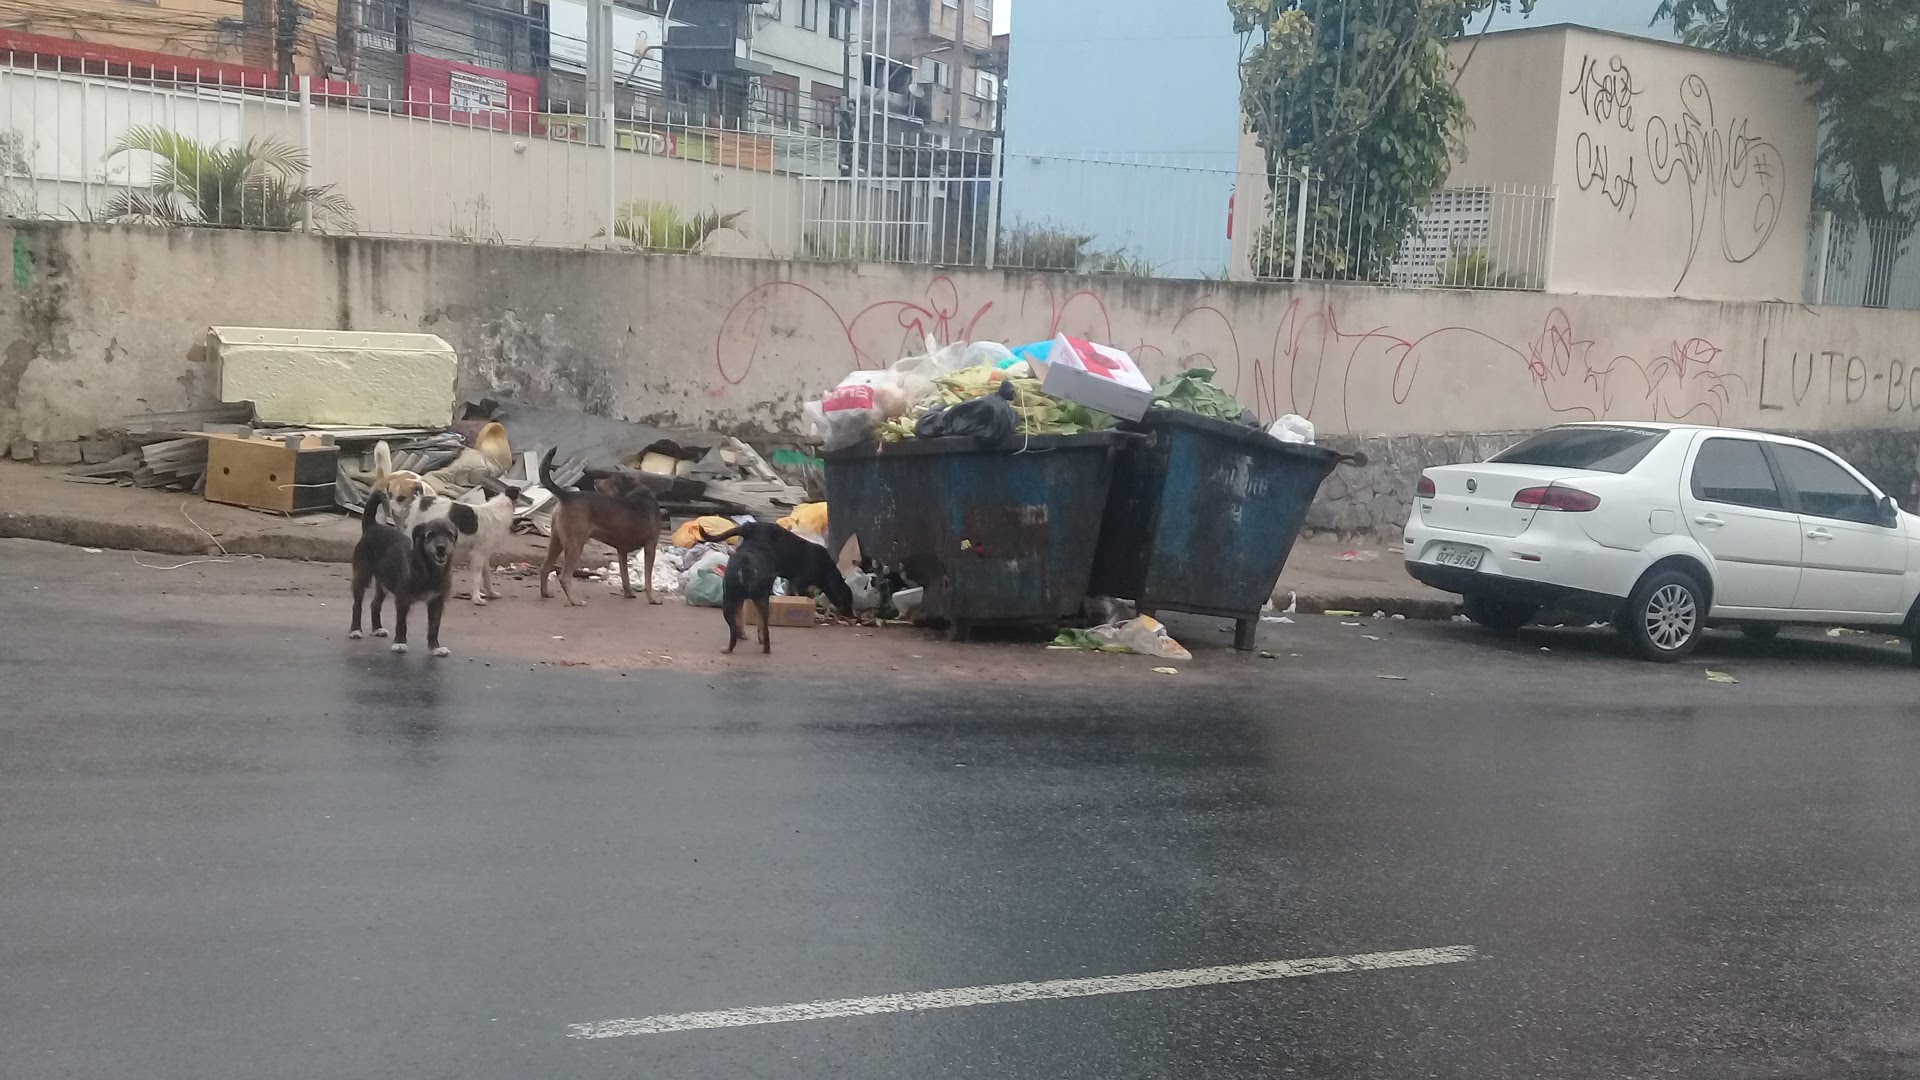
column 1861, row 61
column 1360, row 95
column 660, row 228
column 251, row 186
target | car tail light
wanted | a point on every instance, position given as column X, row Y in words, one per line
column 1571, row 500
column 1425, row 489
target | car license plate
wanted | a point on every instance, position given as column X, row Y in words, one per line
column 1459, row 555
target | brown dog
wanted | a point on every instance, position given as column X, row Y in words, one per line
column 626, row 524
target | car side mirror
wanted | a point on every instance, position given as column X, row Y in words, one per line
column 1889, row 511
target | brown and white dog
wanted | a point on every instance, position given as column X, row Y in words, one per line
column 403, row 489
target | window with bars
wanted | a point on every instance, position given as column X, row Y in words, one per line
column 838, row 18
column 379, row 25
column 492, row 41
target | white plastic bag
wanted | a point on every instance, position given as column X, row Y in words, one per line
column 1143, row 635
column 866, row 595
column 713, row 560
column 1292, row 429
column 907, row 601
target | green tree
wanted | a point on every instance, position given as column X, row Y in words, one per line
column 1861, row 61
column 252, row 186
column 1360, row 94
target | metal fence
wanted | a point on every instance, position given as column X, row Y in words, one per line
column 490, row 165
column 1863, row 262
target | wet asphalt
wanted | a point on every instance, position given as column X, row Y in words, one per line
column 234, row 845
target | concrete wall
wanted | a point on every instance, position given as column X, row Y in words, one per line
column 97, row 323
column 1681, row 172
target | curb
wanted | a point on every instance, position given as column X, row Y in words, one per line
column 167, row 540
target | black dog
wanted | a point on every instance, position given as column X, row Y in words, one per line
column 412, row 567
column 768, row 551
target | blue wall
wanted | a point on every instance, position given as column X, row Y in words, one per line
column 1624, row 16
column 1094, row 83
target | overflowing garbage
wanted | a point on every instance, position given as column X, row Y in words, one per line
column 986, row 391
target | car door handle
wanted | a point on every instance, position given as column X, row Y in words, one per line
column 1710, row 520
column 1821, row 535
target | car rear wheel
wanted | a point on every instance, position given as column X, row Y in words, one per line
column 1503, row 617
column 1760, row 631
column 1665, row 617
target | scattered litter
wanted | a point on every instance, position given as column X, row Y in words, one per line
column 1397, row 617
column 1166, row 671
column 1379, row 614
column 1894, row 641
column 1371, row 637
column 1392, row 678
column 1353, row 624
column 558, row 637
column 1720, row 677
column 1840, row 631
column 1342, row 612
column 1282, row 619
column 91, row 551
column 1460, row 618
column 1543, row 648
column 1357, row 555
column 1598, row 625
column 1143, row 635
column 1265, row 655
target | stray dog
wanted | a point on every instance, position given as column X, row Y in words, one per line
column 413, row 566
column 768, row 551
column 402, row 488
column 482, row 528
column 626, row 524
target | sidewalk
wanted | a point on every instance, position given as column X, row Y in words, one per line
column 39, row 503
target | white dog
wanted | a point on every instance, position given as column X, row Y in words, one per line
column 482, row 529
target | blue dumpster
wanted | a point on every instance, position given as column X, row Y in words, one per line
column 996, row 536
column 1202, row 516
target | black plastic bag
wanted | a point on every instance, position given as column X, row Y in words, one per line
column 990, row 419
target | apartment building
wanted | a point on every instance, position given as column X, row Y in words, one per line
column 957, row 64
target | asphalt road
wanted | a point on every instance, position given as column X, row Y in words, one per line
column 235, row 845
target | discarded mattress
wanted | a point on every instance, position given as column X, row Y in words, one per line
column 335, row 376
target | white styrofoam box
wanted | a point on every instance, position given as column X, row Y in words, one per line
column 337, row 377
column 1097, row 376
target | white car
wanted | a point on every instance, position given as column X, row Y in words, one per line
column 1666, row 529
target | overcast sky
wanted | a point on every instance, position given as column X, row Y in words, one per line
column 1002, row 15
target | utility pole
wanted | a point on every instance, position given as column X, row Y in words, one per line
column 286, row 33
column 599, row 71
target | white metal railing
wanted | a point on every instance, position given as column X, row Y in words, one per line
column 493, row 165
column 1492, row 236
column 1863, row 262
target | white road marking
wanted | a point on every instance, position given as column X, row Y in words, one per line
column 1003, row 993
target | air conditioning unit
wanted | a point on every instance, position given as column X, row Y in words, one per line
column 710, row 80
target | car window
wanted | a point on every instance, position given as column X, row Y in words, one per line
column 1593, row 447
column 1825, row 488
column 1735, row 471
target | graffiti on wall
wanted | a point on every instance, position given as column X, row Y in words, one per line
column 1732, row 181
column 1313, row 356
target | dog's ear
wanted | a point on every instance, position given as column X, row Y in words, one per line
column 463, row 517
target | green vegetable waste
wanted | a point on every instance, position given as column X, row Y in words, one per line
column 1193, row 391
column 1037, row 413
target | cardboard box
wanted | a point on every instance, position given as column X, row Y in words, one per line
column 1097, row 376
column 794, row 611
column 289, row 474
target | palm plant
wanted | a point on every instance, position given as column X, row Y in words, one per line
column 252, row 186
column 658, row 227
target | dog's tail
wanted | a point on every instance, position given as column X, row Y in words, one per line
column 546, row 475
column 382, row 462
column 370, row 511
column 720, row 539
